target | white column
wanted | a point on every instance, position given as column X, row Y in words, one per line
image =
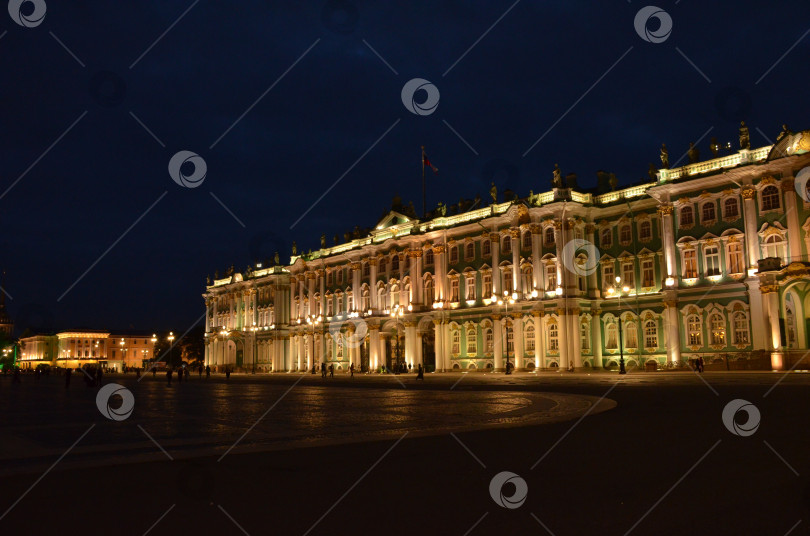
column 539, row 339
column 758, row 317
column 419, row 344
column 356, row 273
column 596, row 339
column 441, row 366
column 322, row 282
column 416, row 277
column 517, row 325
column 311, row 285
column 670, row 257
column 537, row 266
column 495, row 247
column 576, row 340
column 750, row 217
column 374, row 348
column 372, row 287
column 672, row 325
column 593, row 285
column 794, row 234
column 514, row 235
column 410, row 343
column 497, row 339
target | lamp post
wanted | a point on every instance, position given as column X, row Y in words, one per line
column 123, row 353
column 507, row 299
column 154, row 341
column 313, row 321
column 397, row 315
column 171, row 345
column 617, row 291
column 255, row 329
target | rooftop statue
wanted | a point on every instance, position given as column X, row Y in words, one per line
column 664, row 156
column 745, row 136
column 614, row 182
column 336, row 239
column 493, row 192
column 294, row 248
column 693, row 153
column 652, row 172
column 556, row 180
column 323, row 241
column 714, row 147
column 276, row 259
column 785, row 132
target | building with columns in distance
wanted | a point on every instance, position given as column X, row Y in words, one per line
column 77, row 348
column 706, row 260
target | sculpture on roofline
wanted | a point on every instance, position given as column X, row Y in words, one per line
column 664, row 156
column 493, row 192
column 556, row 180
column 745, row 136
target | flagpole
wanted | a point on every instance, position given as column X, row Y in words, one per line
column 424, row 206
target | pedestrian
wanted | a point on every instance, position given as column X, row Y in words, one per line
column 331, row 371
column 200, row 371
column 323, row 370
column 701, row 363
column 169, row 374
column 68, row 372
column 227, row 373
column 420, row 372
column 154, row 370
column 351, row 370
column 208, row 371
column 137, row 372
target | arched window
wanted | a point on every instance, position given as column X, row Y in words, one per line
column 454, row 255
column 456, row 347
column 630, row 335
column 507, row 280
column 718, row 325
column 394, row 295
column 429, row 257
column 382, row 266
column 486, row 283
column 488, row 342
column 469, row 286
column 584, row 336
column 687, row 216
column 486, row 247
column 527, row 240
column 395, row 262
column 645, row 231
column 709, row 212
column 735, row 258
column 770, row 198
column 526, row 276
column 472, row 342
column 772, row 246
column 553, row 337
column 381, row 296
column 470, row 251
column 625, row 235
column 454, row 297
column 611, row 336
column 549, row 236
column 694, row 333
column 551, row 277
column 408, row 293
column 740, row 328
column 790, row 323
column 690, row 264
column 606, row 238
column 507, row 244
column 364, row 300
column 339, row 344
column 366, row 269
column 650, row 334
column 528, row 336
column 731, row 209
column 329, row 344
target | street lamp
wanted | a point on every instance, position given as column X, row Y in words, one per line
column 254, row 329
column 507, row 299
column 617, row 292
column 171, row 345
column 397, row 314
column 313, row 321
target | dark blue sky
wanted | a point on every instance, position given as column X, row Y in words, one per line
column 195, row 82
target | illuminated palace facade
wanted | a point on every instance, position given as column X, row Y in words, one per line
column 709, row 259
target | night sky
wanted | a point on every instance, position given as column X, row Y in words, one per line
column 336, row 100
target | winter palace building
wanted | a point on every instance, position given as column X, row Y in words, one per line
column 709, row 259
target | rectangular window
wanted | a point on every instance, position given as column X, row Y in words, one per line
column 469, row 290
column 690, row 264
column 456, row 349
column 529, row 336
column 488, row 343
column 608, row 276
column 712, row 256
column 606, row 238
column 551, row 277
column 647, row 273
column 486, row 247
column 507, row 281
column 487, row 284
column 735, row 258
column 628, row 276
column 454, row 290
column 454, row 255
column 472, row 343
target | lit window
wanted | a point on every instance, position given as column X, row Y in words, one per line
column 527, row 240
column 551, row 277
column 510, row 338
column 584, row 336
column 529, row 337
column 611, row 339
column 735, row 258
column 472, row 343
column 470, row 251
column 486, row 247
column 429, row 257
column 630, row 335
column 453, row 255
column 650, row 334
column 456, row 349
column 507, row 244
column 693, row 330
column 487, row 284
column 740, row 328
column 507, row 280
column 553, row 337
column 628, row 275
column 690, row 264
column 647, row 273
column 454, row 290
column 608, row 275
column 469, row 290
column 718, row 325
column 488, row 342
column 549, row 236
